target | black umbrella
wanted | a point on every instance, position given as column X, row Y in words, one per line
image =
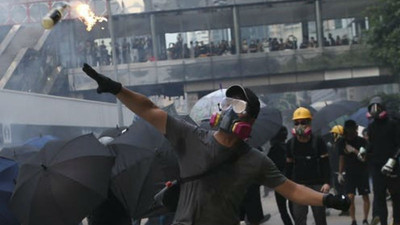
column 267, row 124
column 113, row 132
column 19, row 153
column 144, row 162
column 333, row 114
column 63, row 182
column 8, row 174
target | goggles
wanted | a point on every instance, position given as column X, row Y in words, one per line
column 301, row 122
column 375, row 109
column 238, row 106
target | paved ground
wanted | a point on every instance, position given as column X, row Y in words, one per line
column 269, row 206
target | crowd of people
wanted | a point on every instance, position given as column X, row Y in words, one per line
column 344, row 164
column 97, row 53
column 300, row 169
column 140, row 49
column 179, row 50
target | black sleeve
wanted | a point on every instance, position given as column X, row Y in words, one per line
column 340, row 146
column 397, row 139
column 326, row 170
column 324, row 162
column 369, row 134
column 289, row 166
column 288, row 148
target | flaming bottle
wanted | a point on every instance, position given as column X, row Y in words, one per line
column 54, row 16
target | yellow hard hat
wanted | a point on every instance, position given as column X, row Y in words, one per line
column 302, row 113
column 338, row 129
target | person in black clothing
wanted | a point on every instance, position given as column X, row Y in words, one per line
column 356, row 170
column 277, row 153
column 110, row 212
column 251, row 210
column 384, row 138
column 307, row 164
column 333, row 150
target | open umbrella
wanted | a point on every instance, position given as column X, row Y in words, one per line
column 63, row 182
column 111, row 210
column 113, row 132
column 360, row 116
column 206, row 106
column 19, row 153
column 144, row 162
column 40, row 141
column 8, row 175
column 266, row 126
column 333, row 114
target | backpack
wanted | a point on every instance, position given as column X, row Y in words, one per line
column 306, row 168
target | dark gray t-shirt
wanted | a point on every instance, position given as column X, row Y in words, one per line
column 215, row 199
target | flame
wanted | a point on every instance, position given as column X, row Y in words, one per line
column 87, row 16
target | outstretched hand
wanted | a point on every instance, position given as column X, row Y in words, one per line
column 105, row 84
column 339, row 202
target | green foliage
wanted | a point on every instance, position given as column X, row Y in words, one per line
column 384, row 33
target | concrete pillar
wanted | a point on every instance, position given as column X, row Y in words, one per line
column 318, row 20
column 236, row 28
column 154, row 36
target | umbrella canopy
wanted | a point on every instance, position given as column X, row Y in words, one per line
column 63, row 182
column 144, row 162
column 206, row 106
column 113, row 132
column 8, row 175
column 360, row 116
column 333, row 114
column 267, row 125
column 39, row 142
column 19, row 153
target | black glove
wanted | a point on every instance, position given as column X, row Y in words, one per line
column 105, row 83
column 339, row 202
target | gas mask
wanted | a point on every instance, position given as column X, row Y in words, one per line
column 375, row 111
column 229, row 121
column 301, row 128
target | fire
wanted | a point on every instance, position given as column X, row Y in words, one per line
column 87, row 16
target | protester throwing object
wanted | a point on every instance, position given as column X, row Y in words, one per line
column 215, row 198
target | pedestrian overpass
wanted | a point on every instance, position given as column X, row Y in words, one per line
column 271, row 72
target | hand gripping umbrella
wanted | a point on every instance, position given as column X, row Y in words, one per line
column 144, row 162
column 63, row 182
column 8, row 175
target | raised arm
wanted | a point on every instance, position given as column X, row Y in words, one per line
column 137, row 103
